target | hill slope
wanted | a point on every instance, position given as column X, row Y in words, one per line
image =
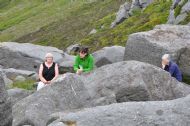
column 61, row 23
column 48, row 22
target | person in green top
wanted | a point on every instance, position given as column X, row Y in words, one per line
column 84, row 62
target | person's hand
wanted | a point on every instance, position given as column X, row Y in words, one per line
column 45, row 82
column 163, row 65
column 48, row 82
column 79, row 71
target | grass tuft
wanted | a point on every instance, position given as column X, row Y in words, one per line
column 28, row 85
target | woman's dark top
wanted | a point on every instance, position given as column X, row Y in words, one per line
column 48, row 73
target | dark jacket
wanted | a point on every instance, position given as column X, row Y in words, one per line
column 173, row 69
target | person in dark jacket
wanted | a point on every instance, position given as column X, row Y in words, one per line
column 171, row 67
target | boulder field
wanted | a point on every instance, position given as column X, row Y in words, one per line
column 150, row 46
column 127, row 81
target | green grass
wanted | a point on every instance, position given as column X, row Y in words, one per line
column 154, row 14
column 28, row 85
column 58, row 23
column 186, row 79
column 75, row 26
column 63, row 22
column 177, row 11
column 22, row 17
column 4, row 3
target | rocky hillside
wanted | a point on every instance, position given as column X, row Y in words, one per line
column 62, row 23
column 127, row 85
column 57, row 23
column 136, row 91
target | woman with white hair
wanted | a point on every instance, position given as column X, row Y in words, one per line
column 48, row 71
column 171, row 67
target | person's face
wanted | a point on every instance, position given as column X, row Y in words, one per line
column 165, row 61
column 49, row 59
column 82, row 55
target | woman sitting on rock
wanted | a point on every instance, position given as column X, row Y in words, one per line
column 48, row 71
column 84, row 62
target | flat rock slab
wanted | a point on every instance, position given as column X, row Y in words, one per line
column 26, row 56
column 157, row 113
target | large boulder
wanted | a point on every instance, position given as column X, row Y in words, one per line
column 66, row 66
column 67, row 93
column 114, row 83
column 12, row 73
column 127, row 9
column 18, row 94
column 5, row 105
column 139, row 4
column 157, row 113
column 27, row 56
column 122, row 14
column 108, row 55
column 72, row 49
column 132, row 81
column 20, row 79
column 150, row 46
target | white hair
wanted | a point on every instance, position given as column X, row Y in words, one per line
column 49, row 55
column 166, row 56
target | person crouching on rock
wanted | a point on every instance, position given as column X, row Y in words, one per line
column 171, row 67
column 48, row 71
column 84, row 62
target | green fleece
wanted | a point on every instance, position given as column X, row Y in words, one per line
column 86, row 63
